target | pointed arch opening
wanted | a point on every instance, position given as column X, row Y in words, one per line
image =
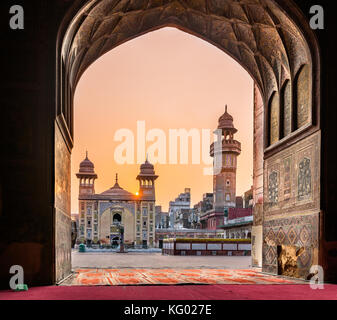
column 270, row 39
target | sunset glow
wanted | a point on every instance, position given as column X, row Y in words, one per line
column 170, row 80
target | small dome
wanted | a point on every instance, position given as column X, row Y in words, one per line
column 147, row 167
column 226, row 122
column 118, row 193
column 86, row 165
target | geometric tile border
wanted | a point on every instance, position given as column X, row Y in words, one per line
column 300, row 231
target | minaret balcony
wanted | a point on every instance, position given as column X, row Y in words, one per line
column 233, row 146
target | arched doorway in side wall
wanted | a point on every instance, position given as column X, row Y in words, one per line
column 274, row 43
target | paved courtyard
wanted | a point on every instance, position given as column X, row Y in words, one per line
column 155, row 260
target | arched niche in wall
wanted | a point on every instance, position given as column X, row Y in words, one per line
column 285, row 104
column 302, row 99
column 274, row 118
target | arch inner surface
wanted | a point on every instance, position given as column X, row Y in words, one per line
column 256, row 33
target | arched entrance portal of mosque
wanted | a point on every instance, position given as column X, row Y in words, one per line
column 272, row 40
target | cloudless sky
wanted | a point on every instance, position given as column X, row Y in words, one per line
column 170, row 80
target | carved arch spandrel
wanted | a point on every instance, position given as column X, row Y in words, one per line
column 245, row 30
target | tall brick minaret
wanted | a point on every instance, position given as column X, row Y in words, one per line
column 224, row 179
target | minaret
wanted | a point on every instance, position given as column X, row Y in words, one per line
column 224, row 180
column 86, row 176
column 146, row 179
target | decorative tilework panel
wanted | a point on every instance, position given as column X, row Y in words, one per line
column 299, row 231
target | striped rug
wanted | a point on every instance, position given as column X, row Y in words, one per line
column 130, row 276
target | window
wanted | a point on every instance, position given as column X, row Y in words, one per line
column 228, row 183
column 144, row 211
column 228, row 197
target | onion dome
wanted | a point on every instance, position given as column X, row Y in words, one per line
column 226, row 122
column 86, row 166
column 147, row 167
column 118, row 193
column 146, row 171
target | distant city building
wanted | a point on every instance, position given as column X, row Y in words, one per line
column 101, row 216
column 182, row 220
column 183, row 201
column 222, row 209
column 238, row 224
column 200, row 209
column 162, row 218
column 248, row 198
column 239, row 202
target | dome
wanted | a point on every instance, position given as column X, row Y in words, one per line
column 226, row 122
column 147, row 168
column 118, row 193
column 86, row 165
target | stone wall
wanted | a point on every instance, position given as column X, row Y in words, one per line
column 257, row 179
column 62, row 208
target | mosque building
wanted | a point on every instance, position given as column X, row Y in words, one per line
column 102, row 214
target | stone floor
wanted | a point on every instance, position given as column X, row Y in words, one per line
column 156, row 260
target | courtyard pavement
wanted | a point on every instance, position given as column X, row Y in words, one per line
column 156, row 260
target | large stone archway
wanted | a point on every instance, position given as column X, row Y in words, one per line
column 280, row 53
column 36, row 107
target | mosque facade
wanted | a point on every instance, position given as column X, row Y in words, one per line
column 103, row 215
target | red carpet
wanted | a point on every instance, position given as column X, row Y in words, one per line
column 184, row 292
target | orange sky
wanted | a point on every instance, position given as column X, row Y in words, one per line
column 170, row 80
